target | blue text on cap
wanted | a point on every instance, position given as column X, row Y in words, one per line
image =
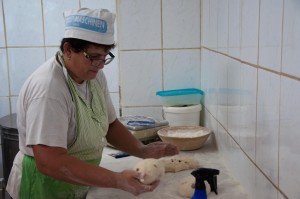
column 85, row 22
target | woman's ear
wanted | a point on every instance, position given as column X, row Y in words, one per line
column 67, row 49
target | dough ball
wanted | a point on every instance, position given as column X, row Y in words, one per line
column 179, row 163
column 150, row 169
column 186, row 187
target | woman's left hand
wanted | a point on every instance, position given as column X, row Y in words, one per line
column 159, row 149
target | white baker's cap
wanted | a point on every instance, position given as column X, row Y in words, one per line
column 96, row 26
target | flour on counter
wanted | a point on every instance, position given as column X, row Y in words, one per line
column 208, row 155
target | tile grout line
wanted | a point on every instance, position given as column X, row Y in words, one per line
column 255, row 65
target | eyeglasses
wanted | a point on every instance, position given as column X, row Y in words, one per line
column 95, row 61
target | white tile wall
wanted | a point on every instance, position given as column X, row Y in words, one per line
column 22, row 62
column 268, row 101
column 234, row 95
column 264, row 189
column 209, row 74
column 106, row 4
column 2, row 35
column 112, row 73
column 140, row 24
column 4, row 106
column 141, row 77
column 209, row 122
column 245, row 170
column 115, row 101
column 260, row 143
column 289, row 155
column 270, row 31
column 181, row 69
column 51, row 51
column 236, row 161
column 13, row 104
column 223, row 22
column 4, row 89
column 234, row 28
column 181, row 27
column 209, row 24
column 160, row 42
column 222, row 101
column 291, row 38
column 221, row 134
column 249, row 28
column 280, row 196
column 19, row 15
column 54, row 19
column 248, row 109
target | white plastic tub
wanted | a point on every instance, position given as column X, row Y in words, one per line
column 183, row 116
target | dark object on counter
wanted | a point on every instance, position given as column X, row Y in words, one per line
column 9, row 142
column 119, row 155
column 208, row 174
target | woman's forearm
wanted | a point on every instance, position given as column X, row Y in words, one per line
column 56, row 163
column 120, row 137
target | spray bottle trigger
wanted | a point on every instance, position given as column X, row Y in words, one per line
column 213, row 184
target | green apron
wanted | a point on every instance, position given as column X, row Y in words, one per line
column 91, row 129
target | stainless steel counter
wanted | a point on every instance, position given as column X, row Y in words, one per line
column 207, row 156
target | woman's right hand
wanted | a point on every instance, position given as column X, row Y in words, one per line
column 128, row 180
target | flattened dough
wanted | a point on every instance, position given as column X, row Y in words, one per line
column 151, row 170
column 179, row 163
column 186, row 187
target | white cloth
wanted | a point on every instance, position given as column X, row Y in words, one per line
column 46, row 114
column 96, row 26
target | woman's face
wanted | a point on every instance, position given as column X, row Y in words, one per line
column 85, row 65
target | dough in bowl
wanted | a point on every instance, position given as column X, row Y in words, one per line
column 150, row 169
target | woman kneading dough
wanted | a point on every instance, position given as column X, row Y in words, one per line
column 65, row 117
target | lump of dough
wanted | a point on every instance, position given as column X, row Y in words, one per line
column 150, row 169
column 179, row 163
column 186, row 187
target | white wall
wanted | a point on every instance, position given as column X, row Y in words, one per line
column 159, row 49
column 250, row 69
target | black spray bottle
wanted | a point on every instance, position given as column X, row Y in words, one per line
column 201, row 174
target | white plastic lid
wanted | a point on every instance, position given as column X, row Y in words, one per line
column 183, row 109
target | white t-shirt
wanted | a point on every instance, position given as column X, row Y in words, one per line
column 46, row 113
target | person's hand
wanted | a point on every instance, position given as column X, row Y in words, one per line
column 128, row 180
column 159, row 149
